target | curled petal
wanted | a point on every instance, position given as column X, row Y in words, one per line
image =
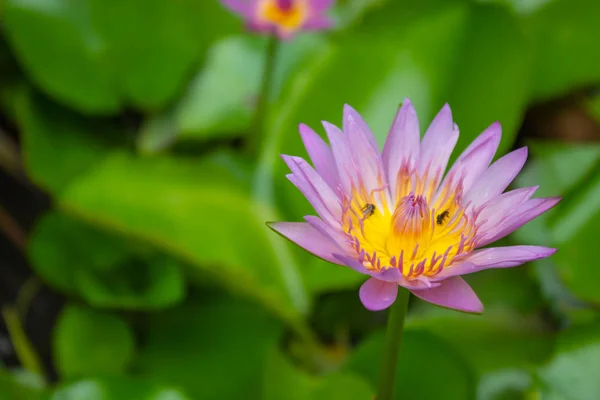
column 318, row 23
column 307, row 237
column 452, row 293
column 378, row 295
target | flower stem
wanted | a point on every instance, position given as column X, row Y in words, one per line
column 393, row 342
column 258, row 124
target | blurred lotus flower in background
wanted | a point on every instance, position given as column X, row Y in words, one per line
column 394, row 215
column 283, row 17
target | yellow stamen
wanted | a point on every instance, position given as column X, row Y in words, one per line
column 289, row 17
column 419, row 234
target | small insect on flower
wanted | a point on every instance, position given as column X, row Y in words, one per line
column 442, row 217
column 282, row 17
column 368, row 210
column 408, row 242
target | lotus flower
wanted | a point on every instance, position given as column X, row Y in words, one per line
column 282, row 17
column 396, row 217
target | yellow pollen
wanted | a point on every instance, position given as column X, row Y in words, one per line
column 288, row 14
column 420, row 234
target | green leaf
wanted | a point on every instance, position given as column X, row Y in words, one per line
column 564, row 31
column 216, row 349
column 115, row 388
column 424, row 359
column 105, row 270
column 284, row 380
column 571, row 171
column 491, row 79
column 136, row 52
column 21, row 385
column 199, row 211
column 518, row 341
column 88, row 342
column 572, row 373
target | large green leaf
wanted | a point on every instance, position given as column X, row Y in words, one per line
column 571, row 171
column 20, row 385
column 97, row 55
column 284, row 380
column 104, row 269
column 216, row 349
column 424, row 359
column 115, row 388
column 573, row 372
column 88, row 342
column 491, row 77
column 197, row 210
column 564, row 31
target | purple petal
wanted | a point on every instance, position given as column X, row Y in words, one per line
column 378, row 295
column 340, row 146
column 365, row 153
column 496, row 257
column 308, row 238
column 437, row 145
column 320, row 155
column 497, row 177
column 244, row 8
column 337, row 236
column 528, row 211
column 497, row 209
column 318, row 6
column 475, row 159
column 317, row 23
column 314, row 188
column 402, row 144
column 452, row 293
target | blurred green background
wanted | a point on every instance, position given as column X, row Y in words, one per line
column 135, row 263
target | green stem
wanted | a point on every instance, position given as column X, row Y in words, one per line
column 393, row 342
column 258, row 126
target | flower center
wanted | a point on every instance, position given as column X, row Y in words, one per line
column 420, row 234
column 289, row 14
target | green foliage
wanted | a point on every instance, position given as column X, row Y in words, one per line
column 424, row 357
column 135, row 118
column 88, row 342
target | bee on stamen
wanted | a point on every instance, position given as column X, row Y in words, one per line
column 441, row 218
column 368, row 210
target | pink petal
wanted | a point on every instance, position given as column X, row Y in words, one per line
column 244, row 8
column 437, row 145
column 317, row 23
column 342, row 154
column 314, row 188
column 475, row 159
column 402, row 144
column 452, row 293
column 378, row 295
column 308, row 238
column 320, row 155
column 318, row 6
column 497, row 177
column 497, row 209
column 365, row 154
column 334, row 233
column 496, row 257
column 528, row 211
